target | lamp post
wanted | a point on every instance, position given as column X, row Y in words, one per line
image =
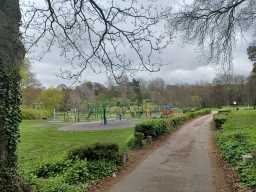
column 235, row 104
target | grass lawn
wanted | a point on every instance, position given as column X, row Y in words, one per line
column 238, row 138
column 41, row 142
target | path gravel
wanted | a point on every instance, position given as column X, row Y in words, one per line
column 182, row 164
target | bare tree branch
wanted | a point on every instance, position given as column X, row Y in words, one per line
column 216, row 24
column 120, row 36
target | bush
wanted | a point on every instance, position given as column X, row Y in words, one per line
column 52, row 169
column 227, row 111
column 77, row 173
column 98, row 151
column 58, row 184
column 138, row 140
column 156, row 127
column 100, row 169
column 194, row 114
column 66, row 174
column 153, row 128
column 178, row 120
column 219, row 120
column 32, row 114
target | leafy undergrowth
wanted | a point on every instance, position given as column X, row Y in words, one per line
column 236, row 140
column 45, row 149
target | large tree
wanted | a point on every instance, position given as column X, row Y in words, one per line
column 252, row 79
column 11, row 57
column 119, row 36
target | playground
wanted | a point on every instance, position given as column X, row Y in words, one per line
column 97, row 125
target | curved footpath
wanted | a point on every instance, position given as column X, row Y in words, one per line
column 183, row 164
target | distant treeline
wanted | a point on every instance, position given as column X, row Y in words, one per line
column 224, row 90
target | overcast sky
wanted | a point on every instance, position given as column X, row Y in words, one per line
column 183, row 64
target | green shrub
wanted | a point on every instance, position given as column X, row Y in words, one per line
column 58, row 184
column 237, row 138
column 227, row 111
column 153, row 128
column 99, row 151
column 194, row 114
column 100, row 169
column 185, row 110
column 219, row 120
column 72, row 175
column 77, row 173
column 89, row 171
column 138, row 140
column 53, row 169
column 233, row 149
column 178, row 120
column 32, row 114
column 157, row 127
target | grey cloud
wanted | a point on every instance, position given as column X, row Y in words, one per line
column 183, row 63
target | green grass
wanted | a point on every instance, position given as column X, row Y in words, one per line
column 238, row 138
column 41, row 142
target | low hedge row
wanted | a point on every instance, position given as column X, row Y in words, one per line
column 82, row 166
column 153, row 128
column 33, row 114
column 220, row 118
column 72, row 175
column 98, row 151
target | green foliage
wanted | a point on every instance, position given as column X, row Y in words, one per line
column 219, row 119
column 197, row 113
column 76, row 173
column 138, row 140
column 57, row 184
column 238, row 138
column 153, row 128
column 157, row 127
column 100, row 169
column 10, row 100
column 43, row 151
column 65, row 175
column 234, row 146
column 52, row 98
column 98, row 151
column 27, row 77
column 32, row 114
column 52, row 169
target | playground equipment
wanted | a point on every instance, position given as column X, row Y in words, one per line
column 102, row 111
column 167, row 110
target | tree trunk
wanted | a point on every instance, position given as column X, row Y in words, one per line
column 11, row 56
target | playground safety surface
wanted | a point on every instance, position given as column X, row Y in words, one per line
column 97, row 125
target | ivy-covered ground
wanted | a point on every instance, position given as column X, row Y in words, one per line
column 41, row 143
column 238, row 138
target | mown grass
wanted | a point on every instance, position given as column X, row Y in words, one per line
column 41, row 142
column 238, row 138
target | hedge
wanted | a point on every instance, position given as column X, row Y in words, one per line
column 156, row 127
column 220, row 118
column 82, row 167
column 98, row 151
